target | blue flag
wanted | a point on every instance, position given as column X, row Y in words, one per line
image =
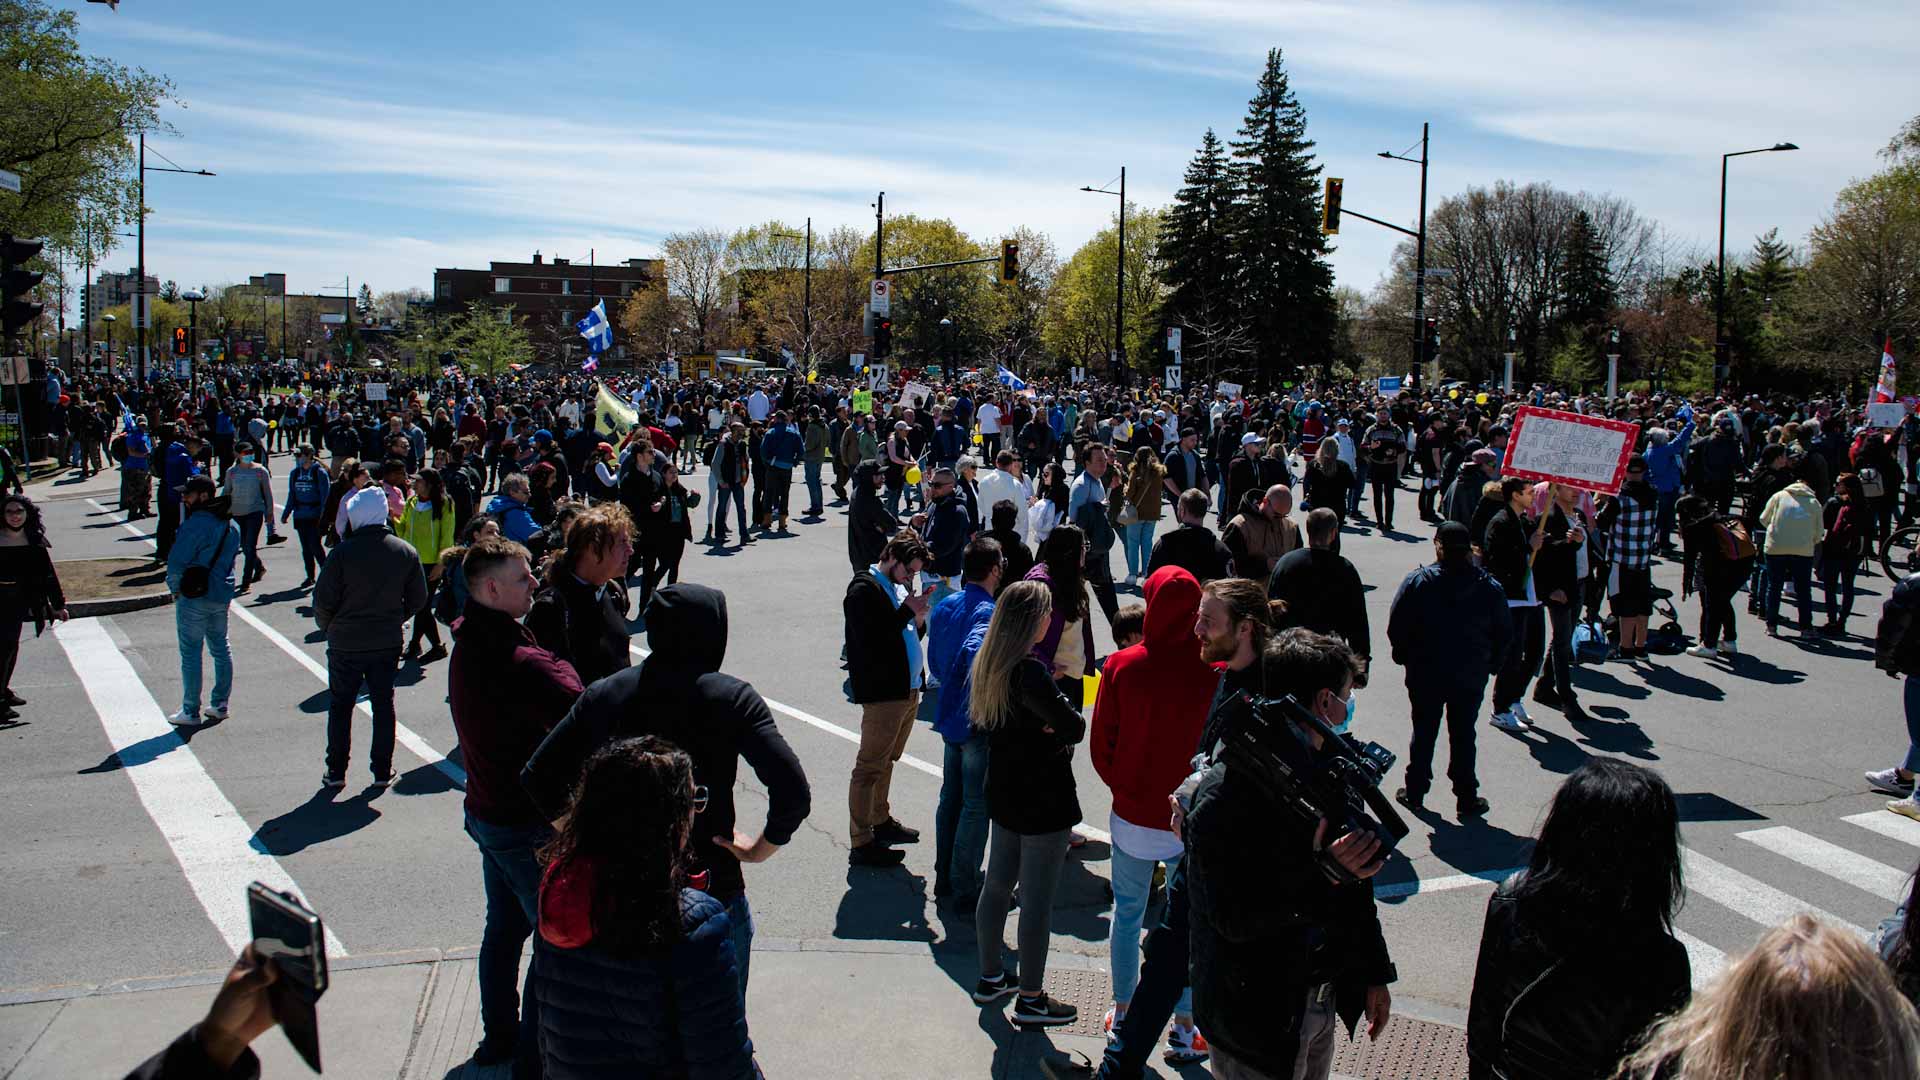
column 1011, row 381
column 596, row 329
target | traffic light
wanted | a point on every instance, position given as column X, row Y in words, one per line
column 1330, row 211
column 17, row 307
column 86, row 305
column 182, row 345
column 882, row 336
column 1009, row 260
column 1431, row 339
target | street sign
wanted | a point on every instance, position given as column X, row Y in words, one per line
column 1079, row 375
column 9, row 181
column 183, row 367
column 876, row 376
column 880, row 299
column 13, row 371
column 1172, row 381
column 1173, row 339
column 333, row 318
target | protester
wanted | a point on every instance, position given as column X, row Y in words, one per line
column 249, row 491
column 1142, row 502
column 580, row 613
column 1847, row 520
column 1321, row 590
column 30, row 592
column 885, row 670
column 665, row 530
column 368, row 589
column 1513, row 543
column 1897, row 652
column 506, row 693
column 1031, row 730
column 205, row 549
column 955, row 631
column 633, row 968
column 427, row 525
column 1005, row 482
column 510, row 509
column 1597, row 898
column 1792, row 518
column 308, row 488
column 1629, row 522
column 1262, row 533
column 1067, row 648
column 1192, row 546
column 1717, row 560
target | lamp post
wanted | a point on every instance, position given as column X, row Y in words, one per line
column 1119, row 281
column 109, row 319
column 1420, row 256
column 1722, row 355
column 946, row 339
column 193, row 298
column 141, row 315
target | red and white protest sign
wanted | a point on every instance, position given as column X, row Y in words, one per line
column 1587, row 452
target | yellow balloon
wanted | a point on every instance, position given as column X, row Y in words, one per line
column 1479, row 399
column 976, row 439
column 1453, row 393
column 913, row 474
column 272, row 424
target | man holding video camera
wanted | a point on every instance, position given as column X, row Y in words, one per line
column 1284, row 933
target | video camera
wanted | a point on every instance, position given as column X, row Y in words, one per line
column 1344, row 787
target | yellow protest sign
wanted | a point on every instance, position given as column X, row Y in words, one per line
column 863, row 401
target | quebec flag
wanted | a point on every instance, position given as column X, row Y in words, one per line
column 596, row 329
column 1011, row 381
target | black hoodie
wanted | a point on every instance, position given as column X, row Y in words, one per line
column 869, row 523
column 679, row 695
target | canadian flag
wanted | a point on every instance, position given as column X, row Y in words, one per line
column 1885, row 390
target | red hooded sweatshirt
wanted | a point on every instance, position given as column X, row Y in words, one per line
column 1153, row 700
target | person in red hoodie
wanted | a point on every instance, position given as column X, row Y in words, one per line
column 1153, row 699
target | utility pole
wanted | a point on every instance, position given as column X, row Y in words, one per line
column 806, row 302
column 140, row 269
column 879, row 235
column 1120, row 286
column 1420, row 268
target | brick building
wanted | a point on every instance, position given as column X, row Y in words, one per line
column 551, row 294
column 110, row 290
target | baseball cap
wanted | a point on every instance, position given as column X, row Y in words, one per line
column 543, row 436
column 1343, row 422
column 1483, row 455
column 1453, row 536
column 1250, row 439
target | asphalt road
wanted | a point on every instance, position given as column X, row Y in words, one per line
column 127, row 840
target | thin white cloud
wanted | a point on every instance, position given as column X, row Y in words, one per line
column 229, row 47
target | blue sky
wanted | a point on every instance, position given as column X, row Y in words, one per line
column 382, row 140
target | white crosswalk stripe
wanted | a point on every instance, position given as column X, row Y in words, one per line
column 1705, row 960
column 1833, row 860
column 1890, row 825
column 1747, row 896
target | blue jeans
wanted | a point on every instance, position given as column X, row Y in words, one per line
column 1136, row 541
column 250, row 542
column 1163, row 982
column 510, row 873
column 960, row 821
column 198, row 622
column 1664, row 502
column 738, row 495
column 813, row 485
column 1132, row 884
column 346, row 671
column 740, row 937
column 1910, row 696
column 1797, row 569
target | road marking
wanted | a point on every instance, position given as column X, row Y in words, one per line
column 1749, row 897
column 1890, row 825
column 402, row 734
column 1706, row 961
column 211, row 841
column 1832, row 860
column 1419, row 887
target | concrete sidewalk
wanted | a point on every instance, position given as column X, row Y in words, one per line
column 852, row 1010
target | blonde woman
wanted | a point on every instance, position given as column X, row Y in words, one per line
column 1143, row 492
column 1811, row 1002
column 1031, row 731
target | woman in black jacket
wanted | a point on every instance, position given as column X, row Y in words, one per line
column 1561, row 589
column 1578, row 955
column 1512, row 542
column 664, row 532
column 1031, row 797
column 634, row 971
column 1709, row 568
column 869, row 523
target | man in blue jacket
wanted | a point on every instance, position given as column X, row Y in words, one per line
column 208, row 538
column 176, row 467
column 955, row 631
column 782, row 447
column 1666, row 468
column 510, row 506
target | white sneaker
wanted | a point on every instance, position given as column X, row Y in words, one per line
column 1506, row 721
column 1729, row 649
column 1887, row 781
column 215, row 712
column 1520, row 714
column 184, row 718
column 1106, row 1025
column 1906, row 808
column 1704, row 652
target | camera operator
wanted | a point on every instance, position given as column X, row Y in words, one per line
column 1280, row 949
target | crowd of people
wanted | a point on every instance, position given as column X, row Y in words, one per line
column 522, row 513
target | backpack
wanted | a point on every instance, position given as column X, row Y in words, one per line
column 1735, row 544
column 1872, row 484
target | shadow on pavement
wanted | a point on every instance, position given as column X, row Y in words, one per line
column 1587, row 677
column 1674, row 681
column 315, row 821
column 1470, row 846
column 1083, row 900
column 145, row 750
column 887, row 904
column 1615, row 735
column 1750, row 667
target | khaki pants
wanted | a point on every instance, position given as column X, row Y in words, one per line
column 884, row 726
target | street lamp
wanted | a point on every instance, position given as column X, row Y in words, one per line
column 109, row 319
column 193, row 298
column 1119, row 279
column 1420, row 255
column 142, row 316
column 1722, row 355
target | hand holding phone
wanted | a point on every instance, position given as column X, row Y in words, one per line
column 288, row 933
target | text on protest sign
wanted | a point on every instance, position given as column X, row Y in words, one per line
column 916, row 392
column 1587, row 452
column 1886, row 414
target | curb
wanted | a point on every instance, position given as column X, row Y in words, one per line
column 117, row 605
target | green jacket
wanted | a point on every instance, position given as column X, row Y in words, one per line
column 428, row 536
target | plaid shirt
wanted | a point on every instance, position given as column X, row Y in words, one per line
column 1631, row 539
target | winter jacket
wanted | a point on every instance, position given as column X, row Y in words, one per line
column 869, row 523
column 878, row 667
column 1666, row 464
column 782, row 447
column 1153, row 699
column 506, row 694
column 1030, row 786
column 516, row 522
column 306, row 493
column 1329, row 487
column 954, row 633
column 948, row 529
column 1509, row 553
column 673, row 1011
column 369, row 587
column 205, row 539
column 1554, row 1003
column 1257, row 543
column 1323, row 593
column 679, row 694
column 1194, row 549
column 178, row 466
column 428, row 534
column 1449, row 626
column 1792, row 519
column 583, row 625
column 1896, row 646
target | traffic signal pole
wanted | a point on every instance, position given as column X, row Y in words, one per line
column 1420, row 269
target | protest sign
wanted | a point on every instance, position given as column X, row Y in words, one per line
column 376, row 391
column 1886, row 414
column 863, row 401
column 1587, row 452
column 916, row 392
column 1390, row 386
column 1231, row 389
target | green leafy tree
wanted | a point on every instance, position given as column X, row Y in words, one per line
column 1078, row 325
column 1017, row 310
column 1861, row 284
column 1201, row 271
column 68, row 127
column 1288, row 285
column 962, row 295
column 490, row 337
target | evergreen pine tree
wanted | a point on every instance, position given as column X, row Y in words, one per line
column 1199, row 269
column 1586, row 283
column 1770, row 269
column 1287, row 286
